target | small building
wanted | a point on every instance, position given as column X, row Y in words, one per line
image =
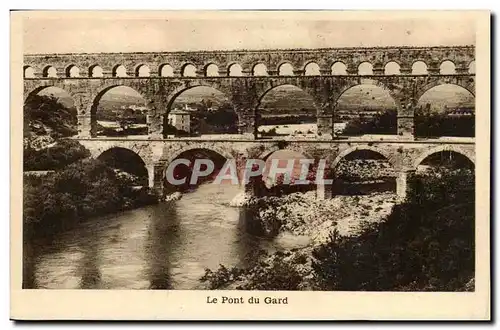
column 180, row 119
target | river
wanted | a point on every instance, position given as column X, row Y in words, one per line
column 164, row 246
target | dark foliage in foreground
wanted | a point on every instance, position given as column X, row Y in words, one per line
column 440, row 124
column 380, row 123
column 43, row 111
column 426, row 244
column 276, row 274
column 83, row 189
column 63, row 153
column 427, row 124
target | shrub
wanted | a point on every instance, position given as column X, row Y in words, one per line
column 63, row 153
column 440, row 124
column 274, row 274
column 381, row 123
column 427, row 243
column 83, row 189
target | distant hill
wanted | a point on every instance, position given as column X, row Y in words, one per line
column 289, row 99
column 448, row 97
column 46, row 119
column 197, row 94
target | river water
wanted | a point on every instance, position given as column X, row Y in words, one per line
column 164, row 246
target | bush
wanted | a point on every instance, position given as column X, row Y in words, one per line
column 275, row 273
column 381, row 123
column 42, row 112
column 83, row 189
column 436, row 124
column 63, row 153
column 427, row 243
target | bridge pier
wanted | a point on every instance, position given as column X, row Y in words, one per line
column 402, row 184
column 155, row 178
column 84, row 126
column 405, row 127
column 324, row 191
column 151, row 175
column 254, row 187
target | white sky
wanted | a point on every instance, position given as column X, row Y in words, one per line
column 63, row 35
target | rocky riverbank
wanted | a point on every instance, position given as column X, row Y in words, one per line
column 304, row 214
column 300, row 215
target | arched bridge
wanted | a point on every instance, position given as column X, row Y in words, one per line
column 406, row 73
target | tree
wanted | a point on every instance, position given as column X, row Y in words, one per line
column 426, row 243
column 43, row 110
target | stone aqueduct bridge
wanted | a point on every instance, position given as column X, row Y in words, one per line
column 325, row 74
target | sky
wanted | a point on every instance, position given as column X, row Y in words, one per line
column 58, row 33
column 99, row 34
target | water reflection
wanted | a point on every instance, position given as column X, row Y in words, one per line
column 165, row 246
column 90, row 272
column 163, row 236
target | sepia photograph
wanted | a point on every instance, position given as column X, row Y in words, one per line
column 245, row 157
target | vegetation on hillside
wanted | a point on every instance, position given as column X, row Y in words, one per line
column 440, row 124
column 86, row 188
column 427, row 124
column 425, row 244
column 62, row 153
column 380, row 123
column 44, row 115
column 79, row 187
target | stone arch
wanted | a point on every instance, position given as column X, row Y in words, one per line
column 441, row 148
column 72, row 71
column 97, row 95
column 440, row 81
column 365, row 69
column 119, row 71
column 259, row 69
column 234, row 70
column 210, row 147
column 472, row 67
column 211, row 70
column 38, row 89
column 59, row 96
column 198, row 83
column 269, row 150
column 224, row 117
column 259, row 106
column 379, row 151
column 29, row 72
column 372, row 82
column 142, row 70
column 96, row 98
column 136, row 150
column 126, row 159
column 188, row 70
column 285, row 69
column 281, row 154
column 312, row 69
column 264, row 154
column 419, row 68
column 165, row 70
column 285, row 84
column 95, row 71
column 447, row 67
column 392, row 68
column 339, row 68
column 49, row 72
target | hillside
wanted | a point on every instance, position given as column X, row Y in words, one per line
column 45, row 120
